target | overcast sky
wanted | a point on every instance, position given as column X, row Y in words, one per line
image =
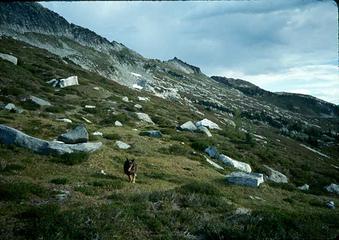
column 280, row 45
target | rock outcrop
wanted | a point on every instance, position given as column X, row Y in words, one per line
column 207, row 123
column 205, row 130
column 245, row 179
column 39, row 101
column 122, row 145
column 12, row 136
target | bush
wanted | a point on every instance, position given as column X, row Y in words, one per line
column 200, row 188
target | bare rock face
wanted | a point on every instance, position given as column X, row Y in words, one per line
column 245, row 179
column 207, row 123
column 333, row 188
column 13, row 136
column 64, row 82
column 77, row 135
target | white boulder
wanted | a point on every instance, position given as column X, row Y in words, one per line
column 39, row 101
column 234, row 163
column 333, row 188
column 188, row 126
column 9, row 58
column 117, row 124
column 97, row 133
column 145, row 99
column 304, row 187
column 144, row 117
column 207, row 123
column 213, row 163
column 276, row 176
column 205, row 130
column 64, row 82
column 138, row 106
column 122, row 145
column 125, row 99
column 66, row 120
column 13, row 108
column 90, row 106
column 245, row 179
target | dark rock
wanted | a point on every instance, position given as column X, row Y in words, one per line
column 151, row 133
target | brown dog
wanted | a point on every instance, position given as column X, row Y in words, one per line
column 130, row 169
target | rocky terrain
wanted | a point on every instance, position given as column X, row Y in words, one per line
column 218, row 158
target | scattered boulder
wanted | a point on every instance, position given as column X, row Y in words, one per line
column 12, row 108
column 77, row 135
column 86, row 120
column 212, row 152
column 117, row 124
column 138, row 106
column 64, row 82
column 205, row 130
column 330, row 205
column 234, row 163
column 207, row 123
column 243, row 211
column 333, row 188
column 96, row 88
column 97, row 133
column 13, row 136
column 214, row 164
column 122, row 145
column 9, row 58
column 151, row 133
column 125, row 99
column 66, row 120
column 103, row 172
column 144, row 117
column 90, row 106
column 304, row 187
column 245, row 179
column 188, row 126
column 143, row 99
column 276, row 176
column 39, row 101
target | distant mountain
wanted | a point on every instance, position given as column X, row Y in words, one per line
column 300, row 103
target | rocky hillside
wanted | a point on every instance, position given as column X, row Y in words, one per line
column 299, row 103
column 213, row 161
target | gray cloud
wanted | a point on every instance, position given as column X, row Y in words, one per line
column 250, row 38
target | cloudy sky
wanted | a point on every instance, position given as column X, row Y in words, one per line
column 280, row 45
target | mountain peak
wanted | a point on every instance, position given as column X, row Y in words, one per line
column 183, row 66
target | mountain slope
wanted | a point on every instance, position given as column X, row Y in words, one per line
column 300, row 103
column 178, row 194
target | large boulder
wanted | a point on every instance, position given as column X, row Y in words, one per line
column 12, row 136
column 117, row 124
column 188, row 126
column 122, row 145
column 213, row 163
column 151, row 133
column 78, row 134
column 207, row 123
column 245, row 179
column 276, row 176
column 333, row 188
column 144, row 117
column 9, row 58
column 64, row 82
column 11, row 107
column 205, row 130
column 212, row 152
column 304, row 187
column 39, row 101
column 234, row 163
